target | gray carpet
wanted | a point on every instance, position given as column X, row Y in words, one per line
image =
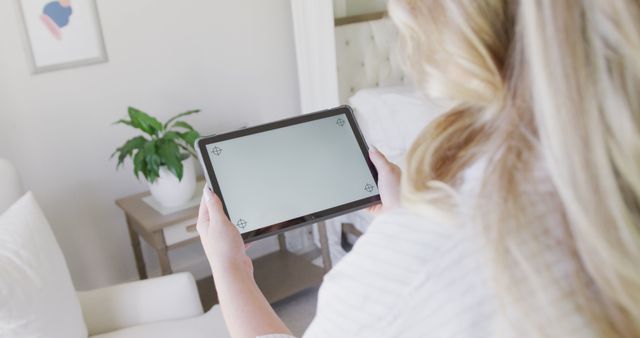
column 298, row 310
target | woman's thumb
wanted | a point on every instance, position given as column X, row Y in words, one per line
column 214, row 206
column 378, row 159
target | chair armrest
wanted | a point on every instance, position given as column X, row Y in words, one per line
column 130, row 304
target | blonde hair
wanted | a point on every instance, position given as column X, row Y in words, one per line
column 548, row 93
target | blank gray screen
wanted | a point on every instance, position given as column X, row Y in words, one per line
column 285, row 173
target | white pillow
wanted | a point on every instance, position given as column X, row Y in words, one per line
column 37, row 297
column 392, row 117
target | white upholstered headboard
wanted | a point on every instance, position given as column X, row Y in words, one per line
column 366, row 57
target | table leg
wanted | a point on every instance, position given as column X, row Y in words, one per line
column 324, row 246
column 165, row 264
column 137, row 250
column 163, row 253
column 282, row 242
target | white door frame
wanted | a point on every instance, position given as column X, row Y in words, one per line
column 315, row 54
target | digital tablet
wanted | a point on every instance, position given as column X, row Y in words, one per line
column 290, row 173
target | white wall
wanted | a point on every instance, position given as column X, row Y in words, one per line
column 233, row 59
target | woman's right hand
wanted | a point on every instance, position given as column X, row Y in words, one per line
column 388, row 182
column 220, row 238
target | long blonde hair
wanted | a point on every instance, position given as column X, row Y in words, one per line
column 548, row 93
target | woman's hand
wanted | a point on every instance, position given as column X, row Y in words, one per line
column 221, row 240
column 388, row 182
column 244, row 308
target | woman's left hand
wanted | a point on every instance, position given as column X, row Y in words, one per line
column 221, row 240
column 388, row 182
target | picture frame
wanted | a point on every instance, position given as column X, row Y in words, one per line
column 61, row 34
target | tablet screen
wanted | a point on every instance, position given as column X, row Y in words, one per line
column 281, row 174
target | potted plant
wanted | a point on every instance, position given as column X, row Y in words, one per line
column 162, row 154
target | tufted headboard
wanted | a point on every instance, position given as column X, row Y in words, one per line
column 366, row 57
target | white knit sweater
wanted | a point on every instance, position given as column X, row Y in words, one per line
column 411, row 276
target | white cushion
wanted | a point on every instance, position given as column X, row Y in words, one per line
column 11, row 189
column 209, row 325
column 37, row 298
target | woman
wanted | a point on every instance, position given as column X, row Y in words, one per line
column 520, row 208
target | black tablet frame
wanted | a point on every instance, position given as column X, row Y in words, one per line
column 315, row 217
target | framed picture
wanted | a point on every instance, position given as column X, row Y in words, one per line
column 61, row 34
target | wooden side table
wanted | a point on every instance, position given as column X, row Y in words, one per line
column 166, row 232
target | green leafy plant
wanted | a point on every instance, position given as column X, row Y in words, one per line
column 165, row 144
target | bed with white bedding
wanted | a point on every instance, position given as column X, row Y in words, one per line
column 390, row 119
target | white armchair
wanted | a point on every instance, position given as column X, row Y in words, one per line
column 167, row 306
column 125, row 305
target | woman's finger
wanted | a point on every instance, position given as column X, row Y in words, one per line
column 214, row 206
column 203, row 217
column 203, row 212
column 374, row 209
column 378, row 159
column 384, row 166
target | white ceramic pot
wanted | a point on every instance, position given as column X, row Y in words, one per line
column 170, row 192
